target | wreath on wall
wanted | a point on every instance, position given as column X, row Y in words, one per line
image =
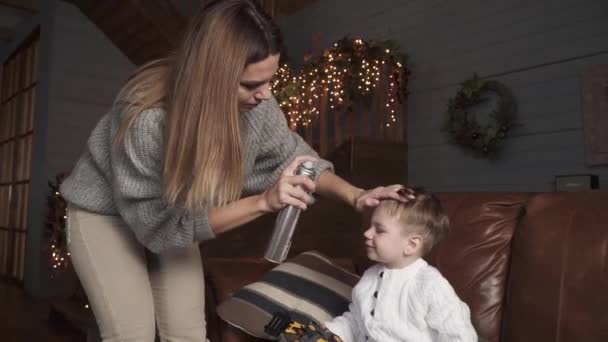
column 483, row 141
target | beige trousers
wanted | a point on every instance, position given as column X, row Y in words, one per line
column 128, row 288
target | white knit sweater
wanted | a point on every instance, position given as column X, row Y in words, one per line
column 415, row 303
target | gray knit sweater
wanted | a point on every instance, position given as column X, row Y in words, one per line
column 126, row 181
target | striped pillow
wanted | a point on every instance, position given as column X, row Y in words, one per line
column 310, row 287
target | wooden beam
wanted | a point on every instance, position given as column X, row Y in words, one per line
column 142, row 29
column 24, row 5
column 281, row 8
column 287, row 8
column 147, row 29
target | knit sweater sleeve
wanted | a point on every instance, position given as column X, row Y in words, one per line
column 277, row 146
column 136, row 166
column 447, row 315
column 349, row 326
column 346, row 325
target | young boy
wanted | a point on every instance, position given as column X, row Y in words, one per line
column 403, row 298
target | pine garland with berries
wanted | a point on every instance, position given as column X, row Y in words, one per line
column 349, row 72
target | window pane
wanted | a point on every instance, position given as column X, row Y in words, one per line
column 3, row 252
column 4, row 205
column 25, row 195
column 8, row 154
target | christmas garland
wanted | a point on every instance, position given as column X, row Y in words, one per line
column 464, row 129
column 56, row 233
column 348, row 72
column 56, row 227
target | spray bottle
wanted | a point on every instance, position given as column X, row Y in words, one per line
column 286, row 222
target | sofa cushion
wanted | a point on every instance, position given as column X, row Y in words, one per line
column 310, row 287
column 559, row 274
column 475, row 255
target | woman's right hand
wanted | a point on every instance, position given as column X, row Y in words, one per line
column 290, row 189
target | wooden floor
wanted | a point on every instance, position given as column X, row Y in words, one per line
column 23, row 319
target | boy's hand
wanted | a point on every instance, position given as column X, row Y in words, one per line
column 371, row 198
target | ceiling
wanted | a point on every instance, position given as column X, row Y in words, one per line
column 12, row 12
column 279, row 8
column 145, row 30
column 141, row 29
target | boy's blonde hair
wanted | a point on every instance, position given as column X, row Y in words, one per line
column 423, row 215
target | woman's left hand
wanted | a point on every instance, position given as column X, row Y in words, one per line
column 371, row 198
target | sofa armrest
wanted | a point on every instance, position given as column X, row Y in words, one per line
column 223, row 277
column 227, row 275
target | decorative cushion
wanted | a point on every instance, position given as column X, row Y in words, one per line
column 310, row 287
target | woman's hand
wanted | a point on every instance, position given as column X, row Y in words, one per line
column 290, row 189
column 371, row 198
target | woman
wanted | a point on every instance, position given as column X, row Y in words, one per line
column 195, row 145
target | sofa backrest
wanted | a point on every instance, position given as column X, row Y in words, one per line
column 475, row 255
column 559, row 270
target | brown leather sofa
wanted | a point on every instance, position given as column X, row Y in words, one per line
column 531, row 266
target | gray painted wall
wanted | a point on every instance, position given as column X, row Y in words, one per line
column 537, row 48
column 80, row 73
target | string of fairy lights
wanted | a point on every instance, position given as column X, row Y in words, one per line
column 56, row 231
column 348, row 74
column 56, row 227
column 59, row 253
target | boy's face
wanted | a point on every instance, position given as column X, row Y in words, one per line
column 385, row 240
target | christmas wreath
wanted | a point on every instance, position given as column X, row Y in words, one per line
column 483, row 140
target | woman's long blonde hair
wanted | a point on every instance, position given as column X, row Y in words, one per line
column 197, row 85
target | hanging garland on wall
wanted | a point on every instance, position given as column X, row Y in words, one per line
column 346, row 74
column 55, row 233
column 484, row 141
